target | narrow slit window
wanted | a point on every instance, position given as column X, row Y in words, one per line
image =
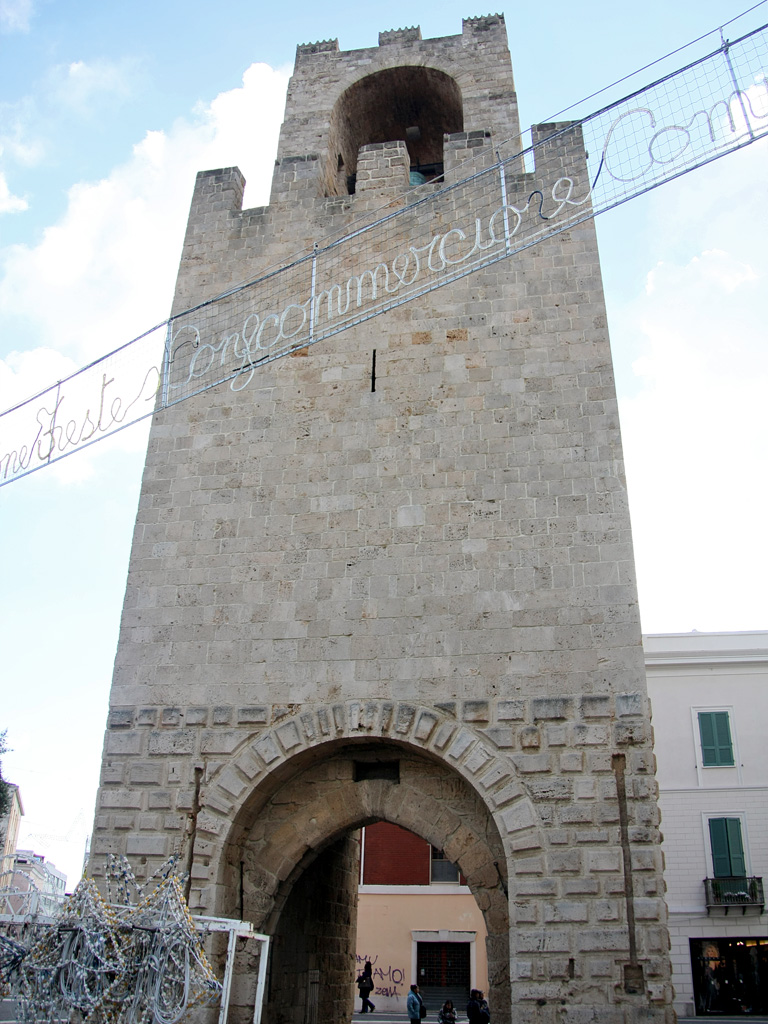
column 387, row 771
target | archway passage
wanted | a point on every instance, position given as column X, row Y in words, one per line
column 292, row 857
column 313, row 940
column 415, row 105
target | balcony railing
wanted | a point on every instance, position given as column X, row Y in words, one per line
column 724, row 893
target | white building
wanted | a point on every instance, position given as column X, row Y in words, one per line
column 9, row 834
column 709, row 693
column 33, row 873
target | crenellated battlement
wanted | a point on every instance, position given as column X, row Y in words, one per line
column 407, row 88
column 406, row 35
column 400, row 35
column 483, row 23
column 323, row 46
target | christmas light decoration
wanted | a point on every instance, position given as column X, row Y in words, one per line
column 133, row 960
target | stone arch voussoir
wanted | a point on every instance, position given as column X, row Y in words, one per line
column 463, row 78
column 266, row 757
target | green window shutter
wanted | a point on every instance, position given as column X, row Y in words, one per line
column 727, row 848
column 715, row 732
column 723, row 738
column 707, row 733
column 736, row 847
column 718, row 837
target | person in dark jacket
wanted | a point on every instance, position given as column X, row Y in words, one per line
column 473, row 1007
column 365, row 987
column 477, row 1008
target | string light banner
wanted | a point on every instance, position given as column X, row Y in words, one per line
column 709, row 108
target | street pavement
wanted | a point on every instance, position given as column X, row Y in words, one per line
column 8, row 1015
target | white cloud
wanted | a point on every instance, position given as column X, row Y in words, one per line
column 80, row 85
column 16, row 142
column 694, row 431
column 105, row 272
column 22, row 372
column 720, row 268
column 69, row 94
column 15, row 15
column 8, row 202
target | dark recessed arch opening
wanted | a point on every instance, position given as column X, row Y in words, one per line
column 294, row 854
column 414, row 105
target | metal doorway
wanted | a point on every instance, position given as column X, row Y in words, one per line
column 443, row 972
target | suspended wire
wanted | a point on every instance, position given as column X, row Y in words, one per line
column 303, row 254
column 645, row 67
column 628, row 159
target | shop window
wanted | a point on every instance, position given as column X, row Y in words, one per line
column 730, row 976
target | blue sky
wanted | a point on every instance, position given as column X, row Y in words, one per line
column 106, row 113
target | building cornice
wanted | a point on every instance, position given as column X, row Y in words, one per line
column 676, row 650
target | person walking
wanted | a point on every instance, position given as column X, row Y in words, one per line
column 415, row 1006
column 365, row 986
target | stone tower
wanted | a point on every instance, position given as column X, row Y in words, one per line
column 392, row 579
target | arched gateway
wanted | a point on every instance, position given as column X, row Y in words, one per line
column 361, row 776
column 391, row 579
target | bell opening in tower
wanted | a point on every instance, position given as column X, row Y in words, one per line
column 414, row 105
